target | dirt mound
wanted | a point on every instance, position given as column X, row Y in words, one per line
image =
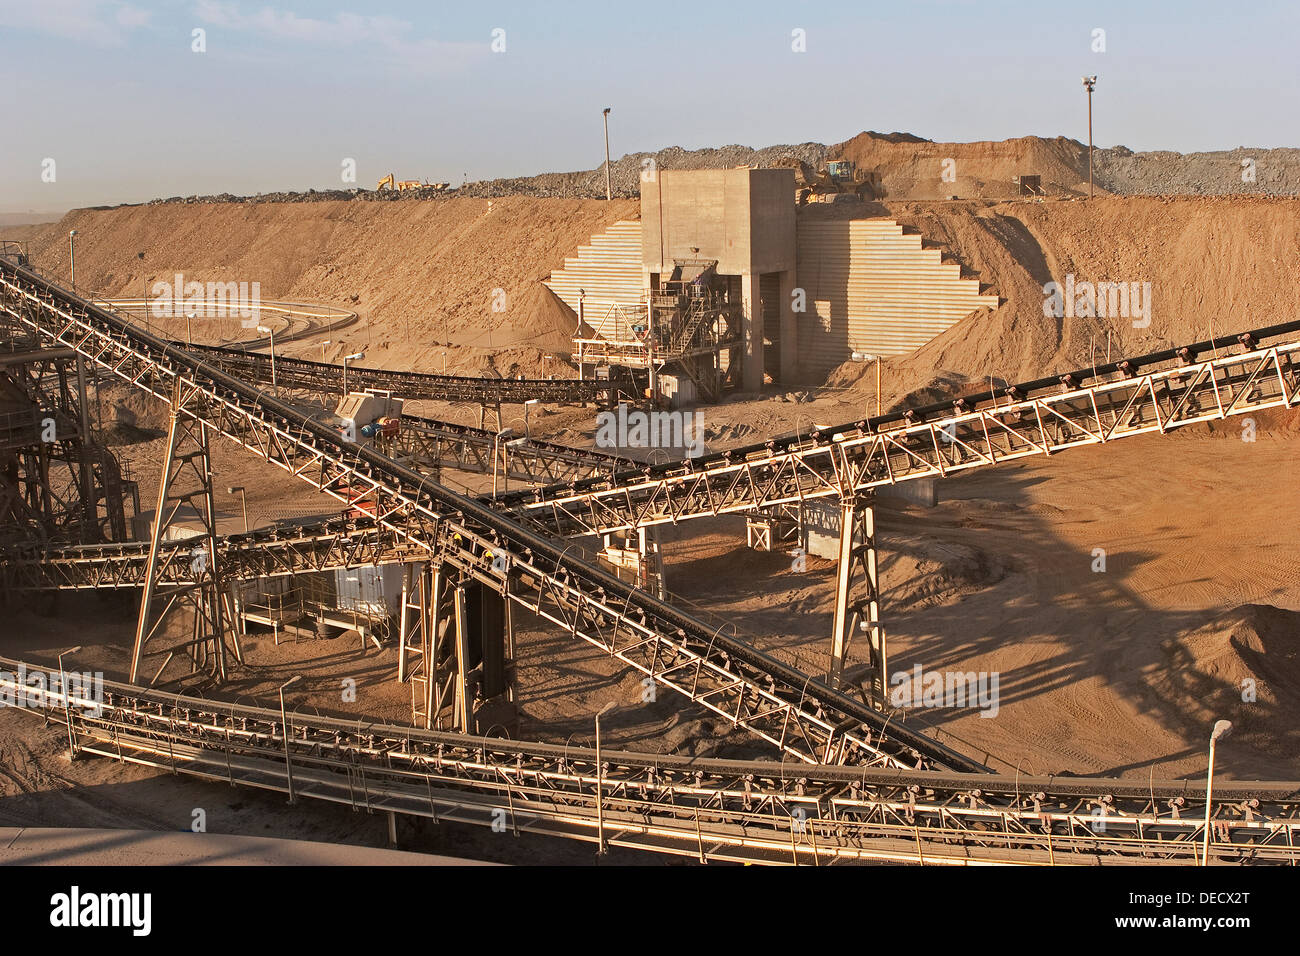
column 1223, row 264
column 424, row 277
column 1243, row 666
column 913, row 168
column 925, row 571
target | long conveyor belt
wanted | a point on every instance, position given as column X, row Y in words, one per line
column 791, row 710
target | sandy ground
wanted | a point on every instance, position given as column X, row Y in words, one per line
column 1118, row 671
column 57, row 846
column 999, row 577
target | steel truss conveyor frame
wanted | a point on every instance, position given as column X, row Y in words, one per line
column 800, row 715
column 428, row 443
column 323, row 377
column 1155, row 393
column 264, row 553
column 712, row 810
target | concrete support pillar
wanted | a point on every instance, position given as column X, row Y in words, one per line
column 789, row 327
column 752, row 326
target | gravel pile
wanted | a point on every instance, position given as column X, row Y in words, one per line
column 1117, row 169
column 1120, row 170
column 625, row 173
column 625, row 178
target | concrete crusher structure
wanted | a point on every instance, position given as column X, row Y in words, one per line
column 726, row 283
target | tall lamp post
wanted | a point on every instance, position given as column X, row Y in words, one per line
column 600, row 797
column 189, row 338
column 1221, row 729
column 354, row 357
column 72, row 257
column 1088, row 83
column 243, row 498
column 608, row 192
column 67, row 701
column 496, row 445
column 144, row 301
column 267, row 330
column 284, row 725
column 527, row 405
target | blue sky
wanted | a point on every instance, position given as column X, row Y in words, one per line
column 113, row 92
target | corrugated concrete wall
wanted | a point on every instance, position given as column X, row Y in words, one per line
column 609, row 270
column 869, row 287
column 873, row 289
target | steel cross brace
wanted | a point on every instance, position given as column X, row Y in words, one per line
column 188, row 455
column 857, row 596
column 774, row 701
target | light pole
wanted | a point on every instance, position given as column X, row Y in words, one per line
column 600, row 796
column 444, row 361
column 496, row 444
column 608, row 192
column 527, row 405
column 189, row 317
column 505, row 462
column 72, row 257
column 868, row 357
column 1088, row 83
column 145, row 299
column 284, row 725
column 239, row 489
column 67, row 702
column 1221, row 729
column 355, row 356
column 322, row 349
column 267, row 330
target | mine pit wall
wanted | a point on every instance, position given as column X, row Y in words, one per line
column 1229, row 262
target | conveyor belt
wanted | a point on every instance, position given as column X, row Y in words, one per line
column 707, row 809
column 1156, row 393
column 791, row 710
column 293, row 373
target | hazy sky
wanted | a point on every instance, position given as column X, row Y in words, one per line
column 114, row 93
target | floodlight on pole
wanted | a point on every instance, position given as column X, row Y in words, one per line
column 243, row 498
column 354, row 357
column 1221, row 729
column 284, row 726
column 1089, row 82
column 600, row 801
column 67, row 701
column 268, row 330
column 528, row 405
column 496, row 455
column 609, row 194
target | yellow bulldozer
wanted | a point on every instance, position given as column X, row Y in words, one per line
column 839, row 180
column 402, row 185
